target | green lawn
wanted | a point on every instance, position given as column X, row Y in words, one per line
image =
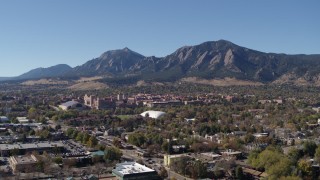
column 123, row 117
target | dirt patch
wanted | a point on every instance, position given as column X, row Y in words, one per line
column 221, row 82
column 291, row 78
column 143, row 83
column 86, row 79
column 44, row 82
column 88, row 86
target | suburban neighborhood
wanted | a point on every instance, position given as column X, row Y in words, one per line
column 220, row 134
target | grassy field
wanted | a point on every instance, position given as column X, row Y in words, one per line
column 123, row 117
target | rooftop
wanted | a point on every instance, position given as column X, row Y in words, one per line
column 231, row 152
column 212, row 155
column 4, row 118
column 177, row 155
column 131, row 168
column 24, row 159
column 97, row 153
column 153, row 114
column 29, row 146
column 69, row 103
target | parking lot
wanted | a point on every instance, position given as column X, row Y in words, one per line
column 4, row 165
column 73, row 149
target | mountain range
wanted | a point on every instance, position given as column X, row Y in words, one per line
column 209, row 60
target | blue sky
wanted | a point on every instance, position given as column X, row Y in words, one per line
column 43, row 33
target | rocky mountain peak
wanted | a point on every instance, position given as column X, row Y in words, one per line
column 209, row 60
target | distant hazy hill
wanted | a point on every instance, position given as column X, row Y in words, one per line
column 5, row 78
column 53, row 71
column 207, row 61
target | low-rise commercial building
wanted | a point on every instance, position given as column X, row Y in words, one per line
column 170, row 159
column 23, row 163
column 4, row 119
column 6, row 149
column 231, row 153
column 209, row 156
column 23, row 120
column 133, row 170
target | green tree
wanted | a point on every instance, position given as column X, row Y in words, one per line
column 112, row 154
column 92, row 142
column 44, row 134
column 32, row 113
column 317, row 154
column 74, row 134
column 239, row 173
column 70, row 132
column 180, row 165
column 309, row 148
column 294, row 155
column 57, row 160
column 40, row 166
column 79, row 137
column 253, row 155
column 15, row 151
column 199, row 170
column 249, row 138
column 273, row 161
column 280, row 168
column 101, row 147
column 305, row 167
column 266, row 159
column 14, row 120
column 137, row 139
column 290, row 178
column 164, row 147
column 55, row 118
column 32, row 132
column 85, row 138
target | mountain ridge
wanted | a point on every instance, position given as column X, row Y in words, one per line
column 208, row 60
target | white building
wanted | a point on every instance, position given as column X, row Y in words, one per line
column 70, row 105
column 133, row 170
column 23, row 120
column 4, row 119
column 153, row 114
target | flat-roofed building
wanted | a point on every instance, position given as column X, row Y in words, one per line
column 4, row 119
column 231, row 153
column 133, row 170
column 5, row 149
column 209, row 156
column 23, row 163
column 164, row 103
column 23, row 120
column 170, row 159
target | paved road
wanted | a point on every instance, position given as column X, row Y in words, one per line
column 172, row 174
